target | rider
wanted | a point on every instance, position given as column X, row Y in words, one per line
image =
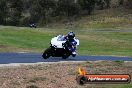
column 70, row 35
column 70, row 40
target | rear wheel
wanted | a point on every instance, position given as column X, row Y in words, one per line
column 47, row 53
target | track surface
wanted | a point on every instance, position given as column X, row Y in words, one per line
column 8, row 58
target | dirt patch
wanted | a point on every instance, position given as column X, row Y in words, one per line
column 60, row 75
column 3, row 46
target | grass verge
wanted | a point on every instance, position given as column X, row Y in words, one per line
column 92, row 42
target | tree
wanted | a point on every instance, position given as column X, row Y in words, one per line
column 107, row 3
column 121, row 2
column 3, row 11
column 87, row 5
column 128, row 4
column 42, row 10
column 68, row 7
column 15, row 12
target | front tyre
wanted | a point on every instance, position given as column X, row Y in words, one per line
column 73, row 54
column 65, row 56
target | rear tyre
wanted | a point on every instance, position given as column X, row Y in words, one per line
column 47, row 53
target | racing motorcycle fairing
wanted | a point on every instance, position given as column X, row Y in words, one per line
column 59, row 40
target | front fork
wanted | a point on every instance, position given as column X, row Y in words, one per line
column 73, row 51
column 74, row 54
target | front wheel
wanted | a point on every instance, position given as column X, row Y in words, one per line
column 65, row 56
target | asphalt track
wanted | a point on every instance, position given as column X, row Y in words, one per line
column 10, row 58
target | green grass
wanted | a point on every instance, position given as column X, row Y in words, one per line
column 19, row 39
column 106, row 43
column 24, row 38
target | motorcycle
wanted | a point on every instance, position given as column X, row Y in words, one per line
column 60, row 48
column 33, row 25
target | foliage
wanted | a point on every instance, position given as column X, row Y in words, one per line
column 87, row 5
column 3, row 11
column 14, row 14
column 67, row 7
column 42, row 12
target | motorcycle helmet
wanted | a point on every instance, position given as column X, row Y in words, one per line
column 71, row 35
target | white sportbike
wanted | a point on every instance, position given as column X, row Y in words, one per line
column 60, row 47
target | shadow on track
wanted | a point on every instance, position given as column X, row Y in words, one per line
column 7, row 58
